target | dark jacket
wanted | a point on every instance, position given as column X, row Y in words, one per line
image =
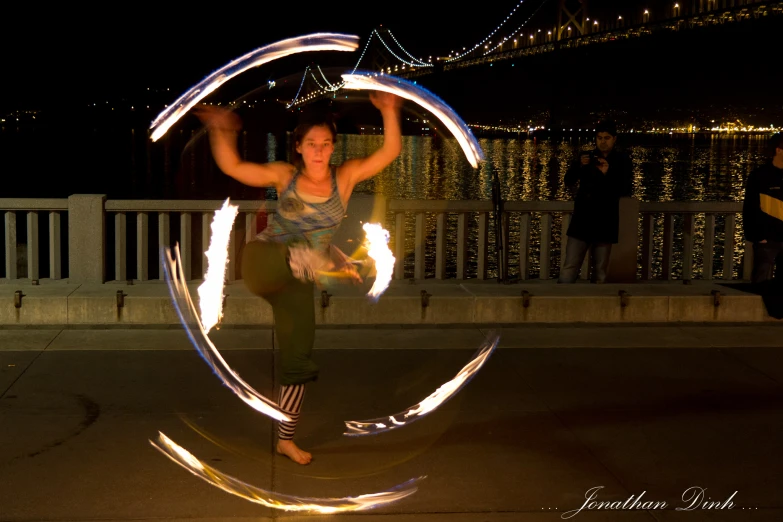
column 596, row 217
column 762, row 210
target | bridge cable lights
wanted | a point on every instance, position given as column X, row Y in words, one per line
column 331, row 87
column 367, row 45
column 300, row 88
column 519, row 29
column 490, row 34
column 422, row 63
column 321, row 90
column 393, row 54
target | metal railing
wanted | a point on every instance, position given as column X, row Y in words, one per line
column 439, row 239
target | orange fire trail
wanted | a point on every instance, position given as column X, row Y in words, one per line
column 279, row 500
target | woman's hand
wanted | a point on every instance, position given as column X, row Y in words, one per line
column 385, row 101
column 216, row 118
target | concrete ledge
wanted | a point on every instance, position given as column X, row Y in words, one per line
column 396, row 310
column 736, row 308
column 40, row 305
column 571, row 309
column 35, row 310
column 427, row 303
column 247, row 311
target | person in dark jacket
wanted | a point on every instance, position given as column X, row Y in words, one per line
column 603, row 175
column 762, row 213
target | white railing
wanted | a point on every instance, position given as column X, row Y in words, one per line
column 185, row 212
column 31, row 248
column 655, row 247
column 443, row 239
column 689, row 212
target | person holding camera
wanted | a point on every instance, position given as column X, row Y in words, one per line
column 602, row 176
column 762, row 213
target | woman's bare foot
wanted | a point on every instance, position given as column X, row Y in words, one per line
column 290, row 450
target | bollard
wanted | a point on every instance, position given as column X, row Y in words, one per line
column 623, row 298
column 120, row 299
column 425, row 299
column 325, row 298
column 715, row 298
column 18, row 295
column 525, row 299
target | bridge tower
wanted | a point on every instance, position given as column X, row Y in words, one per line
column 377, row 59
column 573, row 14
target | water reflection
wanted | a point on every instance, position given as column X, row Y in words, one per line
column 688, row 168
column 431, row 167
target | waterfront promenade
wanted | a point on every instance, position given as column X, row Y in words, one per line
column 414, row 303
column 644, row 388
column 557, row 410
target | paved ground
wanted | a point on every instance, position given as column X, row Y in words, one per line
column 555, row 412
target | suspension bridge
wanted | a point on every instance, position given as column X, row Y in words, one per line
column 538, row 32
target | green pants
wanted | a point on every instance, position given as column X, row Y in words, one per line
column 266, row 274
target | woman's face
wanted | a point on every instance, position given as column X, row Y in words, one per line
column 316, row 147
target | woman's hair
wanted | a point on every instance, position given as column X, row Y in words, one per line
column 315, row 117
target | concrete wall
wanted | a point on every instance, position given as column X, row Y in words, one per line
column 444, row 304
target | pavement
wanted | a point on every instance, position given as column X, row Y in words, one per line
column 558, row 411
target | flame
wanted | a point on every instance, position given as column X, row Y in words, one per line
column 312, row 42
column 427, row 100
column 189, row 318
column 432, row 402
column 211, row 290
column 279, row 500
column 378, row 249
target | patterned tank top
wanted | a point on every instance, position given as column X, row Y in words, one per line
column 299, row 221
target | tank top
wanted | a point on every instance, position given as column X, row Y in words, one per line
column 299, row 221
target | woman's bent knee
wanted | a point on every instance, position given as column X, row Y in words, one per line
column 264, row 266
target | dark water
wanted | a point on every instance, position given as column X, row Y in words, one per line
column 124, row 164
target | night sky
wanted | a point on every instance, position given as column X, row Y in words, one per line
column 68, row 55
column 59, row 61
column 83, row 51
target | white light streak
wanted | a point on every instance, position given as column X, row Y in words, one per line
column 432, row 402
column 427, row 100
column 313, row 42
column 211, row 290
column 378, row 249
column 190, row 320
column 276, row 500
